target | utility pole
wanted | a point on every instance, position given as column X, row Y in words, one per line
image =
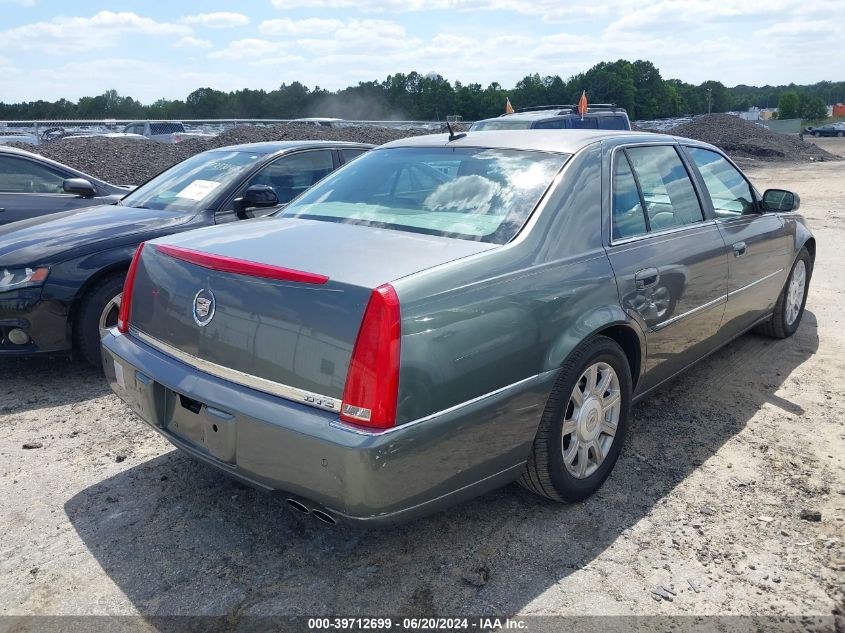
column 709, row 100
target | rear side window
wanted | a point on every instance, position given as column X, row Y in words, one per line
column 587, row 123
column 18, row 175
column 729, row 192
column 613, row 123
column 666, row 187
column 628, row 214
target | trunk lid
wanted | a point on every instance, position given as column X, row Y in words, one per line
column 295, row 334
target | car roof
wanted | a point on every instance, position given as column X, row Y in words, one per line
column 271, row 147
column 562, row 141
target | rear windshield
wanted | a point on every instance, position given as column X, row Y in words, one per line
column 166, row 128
column 469, row 193
column 501, row 124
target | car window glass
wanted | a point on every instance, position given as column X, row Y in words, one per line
column 587, row 123
column 351, row 153
column 666, row 187
column 729, row 192
column 628, row 215
column 612, row 123
column 555, row 124
column 18, row 175
column 291, row 175
column 461, row 192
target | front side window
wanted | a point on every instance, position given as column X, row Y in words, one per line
column 290, row 175
column 468, row 193
column 729, row 192
column 18, row 175
column 554, row 124
column 666, row 187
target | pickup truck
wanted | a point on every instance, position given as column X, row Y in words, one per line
column 163, row 131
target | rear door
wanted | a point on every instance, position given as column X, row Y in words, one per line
column 669, row 258
column 760, row 245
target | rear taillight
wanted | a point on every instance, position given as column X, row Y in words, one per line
column 372, row 384
column 126, row 299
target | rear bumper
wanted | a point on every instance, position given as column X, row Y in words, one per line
column 280, row 445
column 45, row 322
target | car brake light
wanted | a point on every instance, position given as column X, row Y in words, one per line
column 126, row 299
column 372, row 383
column 239, row 266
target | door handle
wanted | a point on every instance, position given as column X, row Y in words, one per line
column 646, row 277
column 739, row 249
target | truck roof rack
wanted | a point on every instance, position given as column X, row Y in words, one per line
column 570, row 108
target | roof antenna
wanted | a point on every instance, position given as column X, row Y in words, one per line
column 452, row 135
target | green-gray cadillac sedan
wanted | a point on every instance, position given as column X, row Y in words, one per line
column 448, row 314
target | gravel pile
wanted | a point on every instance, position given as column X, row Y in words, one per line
column 743, row 139
column 125, row 161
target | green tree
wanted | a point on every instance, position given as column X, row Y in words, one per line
column 789, row 106
column 813, row 108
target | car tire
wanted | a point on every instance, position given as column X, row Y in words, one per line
column 549, row 471
column 816, row 134
column 92, row 308
column 787, row 313
column 840, row 134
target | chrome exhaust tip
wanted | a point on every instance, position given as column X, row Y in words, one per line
column 298, row 506
column 325, row 517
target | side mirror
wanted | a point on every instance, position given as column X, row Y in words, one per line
column 79, row 186
column 256, row 196
column 780, row 200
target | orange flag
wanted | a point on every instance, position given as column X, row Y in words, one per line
column 582, row 104
column 508, row 106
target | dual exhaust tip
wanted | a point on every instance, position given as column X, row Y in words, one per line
column 321, row 515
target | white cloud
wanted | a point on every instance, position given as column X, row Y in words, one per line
column 309, row 26
column 191, row 41
column 218, row 20
column 248, row 48
column 63, row 35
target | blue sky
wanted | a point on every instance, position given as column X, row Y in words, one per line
column 50, row 49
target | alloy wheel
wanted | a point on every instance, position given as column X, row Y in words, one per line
column 795, row 292
column 590, row 421
column 108, row 317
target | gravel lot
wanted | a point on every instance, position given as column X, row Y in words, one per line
column 706, row 501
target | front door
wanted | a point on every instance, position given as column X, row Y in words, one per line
column 669, row 260
column 759, row 244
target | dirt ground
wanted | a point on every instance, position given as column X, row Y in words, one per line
column 706, row 500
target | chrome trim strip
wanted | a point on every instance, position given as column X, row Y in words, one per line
column 338, row 424
column 287, row 392
column 709, row 304
column 754, row 283
column 675, row 229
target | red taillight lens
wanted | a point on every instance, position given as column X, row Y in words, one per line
column 372, row 384
column 126, row 300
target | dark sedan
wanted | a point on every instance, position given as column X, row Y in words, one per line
column 61, row 275
column 831, row 129
column 31, row 186
column 450, row 314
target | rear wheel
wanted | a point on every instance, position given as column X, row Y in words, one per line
column 840, row 134
column 790, row 304
column 584, row 423
column 97, row 314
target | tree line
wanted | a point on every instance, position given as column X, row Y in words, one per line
column 636, row 86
